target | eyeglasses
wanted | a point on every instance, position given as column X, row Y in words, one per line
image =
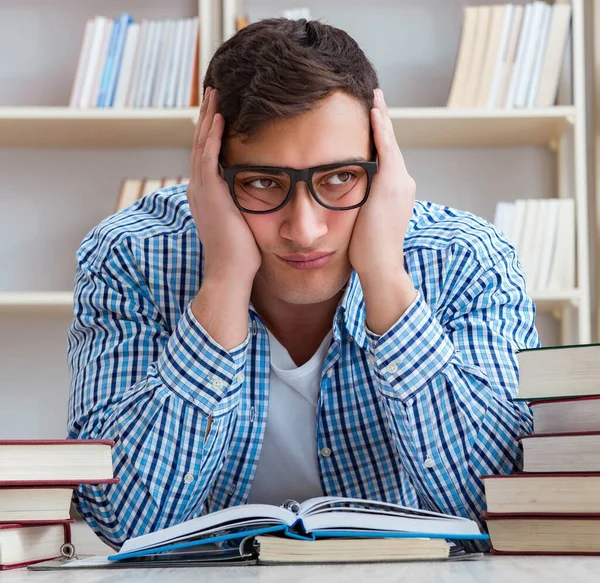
column 266, row 189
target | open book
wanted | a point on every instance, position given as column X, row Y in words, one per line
column 317, row 518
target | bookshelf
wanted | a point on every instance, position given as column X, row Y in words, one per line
column 61, row 168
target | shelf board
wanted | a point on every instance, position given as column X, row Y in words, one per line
column 63, row 301
column 443, row 127
column 553, row 299
column 63, row 127
column 55, row 302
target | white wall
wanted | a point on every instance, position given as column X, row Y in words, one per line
column 50, row 199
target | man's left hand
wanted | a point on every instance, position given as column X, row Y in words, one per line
column 378, row 236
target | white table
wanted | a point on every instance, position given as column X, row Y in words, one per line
column 487, row 570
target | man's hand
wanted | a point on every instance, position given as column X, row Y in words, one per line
column 230, row 250
column 376, row 247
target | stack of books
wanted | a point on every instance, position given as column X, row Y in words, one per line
column 37, row 479
column 553, row 505
column 127, row 64
column 511, row 55
column 543, row 233
column 133, row 189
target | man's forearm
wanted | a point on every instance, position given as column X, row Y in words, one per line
column 221, row 308
column 387, row 297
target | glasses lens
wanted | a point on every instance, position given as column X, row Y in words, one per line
column 261, row 191
column 341, row 187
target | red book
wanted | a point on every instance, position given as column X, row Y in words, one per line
column 547, row 534
column 542, row 493
column 26, row 544
column 561, row 452
column 566, row 415
column 57, row 462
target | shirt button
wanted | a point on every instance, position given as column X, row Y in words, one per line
column 325, row 452
column 392, row 368
column 371, row 359
column 188, row 478
column 240, row 377
column 217, row 384
column 329, row 373
column 429, row 463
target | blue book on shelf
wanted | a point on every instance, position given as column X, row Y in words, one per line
column 124, row 21
column 110, row 55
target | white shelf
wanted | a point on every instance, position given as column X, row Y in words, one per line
column 54, row 301
column 63, row 127
column 443, row 127
column 62, row 302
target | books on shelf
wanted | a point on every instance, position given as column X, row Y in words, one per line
column 341, row 530
column 37, row 479
column 511, row 55
column 543, row 234
column 553, row 505
column 122, row 63
column 134, row 189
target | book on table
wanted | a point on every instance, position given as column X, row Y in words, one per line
column 25, row 544
column 558, row 372
column 56, row 462
column 331, row 522
column 544, row 534
column 566, row 415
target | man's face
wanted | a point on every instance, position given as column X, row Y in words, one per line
column 337, row 130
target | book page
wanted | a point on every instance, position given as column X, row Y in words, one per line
column 244, row 516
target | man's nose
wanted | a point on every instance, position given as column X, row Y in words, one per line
column 304, row 223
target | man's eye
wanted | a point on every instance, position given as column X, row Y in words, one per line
column 262, row 183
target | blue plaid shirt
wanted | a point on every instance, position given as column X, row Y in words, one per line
column 414, row 416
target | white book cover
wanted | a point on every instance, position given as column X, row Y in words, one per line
column 189, row 71
column 562, row 273
column 477, row 60
column 100, row 24
column 150, row 39
column 177, row 63
column 165, row 55
column 520, row 57
column 564, row 94
column 549, row 244
column 534, row 84
column 555, row 54
column 101, row 61
column 188, row 41
column 157, row 47
column 538, row 242
column 125, row 74
column 509, row 62
column 463, row 58
column 532, row 43
column 492, row 48
column 125, row 23
column 230, row 13
column 526, row 242
column 83, row 62
column 501, row 55
column 136, row 73
column 518, row 227
column 504, row 218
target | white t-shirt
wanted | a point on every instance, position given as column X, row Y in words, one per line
column 288, row 467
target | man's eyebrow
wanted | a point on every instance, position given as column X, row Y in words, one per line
column 345, row 161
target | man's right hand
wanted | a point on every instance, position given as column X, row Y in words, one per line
column 230, row 250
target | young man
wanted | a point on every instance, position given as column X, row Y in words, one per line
column 278, row 330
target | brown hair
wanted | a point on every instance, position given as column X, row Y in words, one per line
column 278, row 68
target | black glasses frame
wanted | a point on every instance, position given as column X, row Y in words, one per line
column 296, row 176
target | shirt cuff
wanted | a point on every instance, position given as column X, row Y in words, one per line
column 200, row 370
column 411, row 352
